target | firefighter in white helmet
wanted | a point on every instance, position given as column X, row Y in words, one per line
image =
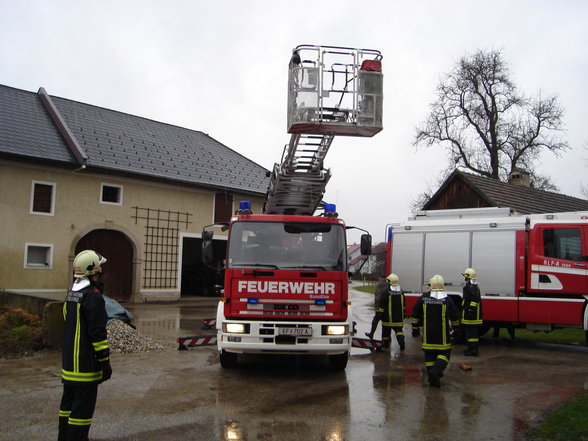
column 471, row 315
column 85, row 350
column 390, row 309
column 433, row 312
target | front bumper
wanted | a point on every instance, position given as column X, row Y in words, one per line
column 266, row 337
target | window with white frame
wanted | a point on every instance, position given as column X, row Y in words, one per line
column 38, row 255
column 43, row 198
column 111, row 194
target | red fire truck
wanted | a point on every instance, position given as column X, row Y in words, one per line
column 285, row 277
column 532, row 270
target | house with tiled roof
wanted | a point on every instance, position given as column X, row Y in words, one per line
column 76, row 176
column 372, row 264
column 465, row 190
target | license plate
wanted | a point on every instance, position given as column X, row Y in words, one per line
column 302, row 332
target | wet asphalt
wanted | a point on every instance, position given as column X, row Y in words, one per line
column 186, row 395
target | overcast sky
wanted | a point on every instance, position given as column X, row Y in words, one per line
column 220, row 67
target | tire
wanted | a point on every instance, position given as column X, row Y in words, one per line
column 338, row 362
column 228, row 359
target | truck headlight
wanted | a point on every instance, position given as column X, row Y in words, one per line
column 337, row 330
column 235, row 328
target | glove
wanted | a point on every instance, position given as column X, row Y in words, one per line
column 416, row 332
column 453, row 335
column 106, row 371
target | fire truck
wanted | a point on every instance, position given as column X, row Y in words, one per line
column 285, row 275
column 532, row 269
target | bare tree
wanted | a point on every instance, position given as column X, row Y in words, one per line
column 487, row 125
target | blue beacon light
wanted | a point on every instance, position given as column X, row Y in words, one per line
column 330, row 208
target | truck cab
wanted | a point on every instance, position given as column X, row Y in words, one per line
column 286, row 288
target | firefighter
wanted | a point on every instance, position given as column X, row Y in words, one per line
column 390, row 310
column 85, row 351
column 435, row 312
column 381, row 289
column 471, row 313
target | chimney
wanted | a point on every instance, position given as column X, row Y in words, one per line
column 519, row 177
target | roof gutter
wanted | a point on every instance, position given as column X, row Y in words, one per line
column 63, row 128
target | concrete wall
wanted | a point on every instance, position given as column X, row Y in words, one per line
column 50, row 311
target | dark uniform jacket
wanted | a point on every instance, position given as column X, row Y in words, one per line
column 391, row 308
column 471, row 305
column 85, row 344
column 381, row 289
column 434, row 316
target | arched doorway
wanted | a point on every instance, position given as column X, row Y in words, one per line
column 118, row 271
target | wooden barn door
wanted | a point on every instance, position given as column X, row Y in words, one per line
column 118, row 270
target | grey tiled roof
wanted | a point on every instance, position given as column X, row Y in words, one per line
column 26, row 130
column 523, row 200
column 121, row 143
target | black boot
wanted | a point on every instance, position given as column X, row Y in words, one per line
column 434, row 378
column 62, row 434
column 370, row 334
column 472, row 350
column 401, row 343
column 77, row 433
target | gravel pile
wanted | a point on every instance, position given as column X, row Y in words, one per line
column 123, row 339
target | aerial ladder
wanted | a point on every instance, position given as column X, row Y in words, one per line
column 331, row 91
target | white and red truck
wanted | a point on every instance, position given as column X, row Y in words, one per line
column 532, row 269
column 286, row 275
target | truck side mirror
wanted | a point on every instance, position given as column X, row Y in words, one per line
column 207, row 255
column 366, row 244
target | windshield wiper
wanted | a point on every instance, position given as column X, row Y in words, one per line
column 318, row 267
column 266, row 265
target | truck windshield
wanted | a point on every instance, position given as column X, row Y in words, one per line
column 287, row 245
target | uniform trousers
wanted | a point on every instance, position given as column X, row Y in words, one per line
column 76, row 410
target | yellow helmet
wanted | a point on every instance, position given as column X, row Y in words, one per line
column 87, row 263
column 469, row 273
column 437, row 283
column 392, row 279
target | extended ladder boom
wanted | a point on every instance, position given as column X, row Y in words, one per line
column 332, row 91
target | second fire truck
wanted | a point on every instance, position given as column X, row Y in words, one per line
column 532, row 269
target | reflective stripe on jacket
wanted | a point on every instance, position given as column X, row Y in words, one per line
column 85, row 342
column 434, row 316
column 392, row 308
column 472, row 305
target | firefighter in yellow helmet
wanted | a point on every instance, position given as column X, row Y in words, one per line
column 433, row 312
column 390, row 309
column 85, row 351
column 471, row 315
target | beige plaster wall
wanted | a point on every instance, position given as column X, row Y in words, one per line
column 77, row 212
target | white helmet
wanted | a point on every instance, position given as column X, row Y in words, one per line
column 87, row 263
column 392, row 279
column 437, row 283
column 469, row 273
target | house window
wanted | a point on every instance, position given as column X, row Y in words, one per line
column 38, row 255
column 223, row 207
column 111, row 194
column 43, row 198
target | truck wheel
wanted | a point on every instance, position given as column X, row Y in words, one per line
column 338, row 362
column 228, row 359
